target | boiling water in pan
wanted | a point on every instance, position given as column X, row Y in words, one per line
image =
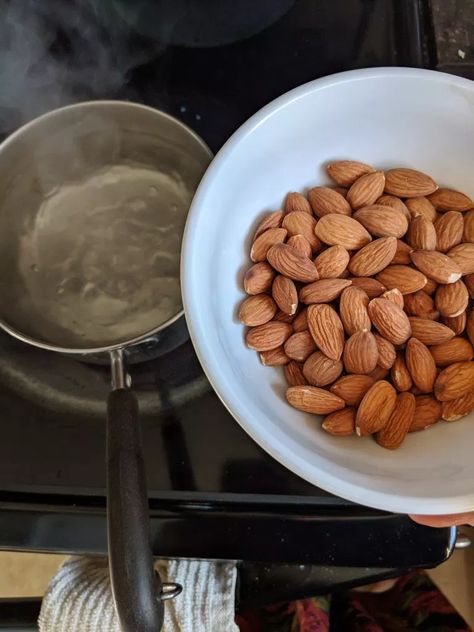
column 101, row 259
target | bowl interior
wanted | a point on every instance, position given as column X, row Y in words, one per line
column 386, row 117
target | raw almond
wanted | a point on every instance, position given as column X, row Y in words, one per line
column 300, row 322
column 427, row 413
column 457, row 408
column 299, row 346
column 274, row 357
column 352, row 388
column 341, row 230
column 282, row 317
column 360, row 353
column 291, row 263
column 327, row 330
column 297, row 202
column 301, row 223
column 470, row 326
column 366, row 189
column 374, row 257
column 326, row 201
column 454, row 381
column 271, row 220
column 404, row 278
column 353, row 310
column 375, row 408
column 420, row 304
column 450, row 200
column 386, row 351
column 311, row 399
column 421, row 206
column 323, row 291
column 379, row 373
column 301, row 244
column 429, row 332
column 456, row 323
column 341, row 423
column 453, row 299
column 382, row 221
column 265, row 241
column 402, row 253
column 285, row 294
column 259, row 278
column 455, row 350
column 468, row 231
column 394, row 202
column 396, row 429
column 294, row 374
column 430, row 287
column 371, row 287
column 400, row 374
column 346, row 172
column 390, row 320
column 421, row 234
column 406, row 183
column 421, row 365
column 436, row 266
column 449, row 230
column 463, row 256
column 257, row 310
column 395, row 296
column 469, row 281
column 268, row 336
column 332, row 262
column 319, row 370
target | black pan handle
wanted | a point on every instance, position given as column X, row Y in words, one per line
column 135, row 586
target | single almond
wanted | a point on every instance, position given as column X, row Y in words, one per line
column 323, row 291
column 341, row 230
column 265, row 241
column 297, row 202
column 299, row 346
column 301, row 223
column 271, row 220
column 430, row 287
column 457, row 408
column 285, row 294
column 346, row 172
column 375, row 408
column 427, row 413
column 402, row 253
column 395, row 296
column 352, row 388
column 470, row 326
column 386, row 351
column 379, row 373
column 436, row 266
column 396, row 429
column 332, row 262
column 319, row 370
column 371, row 287
column 300, row 322
column 259, row 278
column 301, row 244
column 404, row 278
column 421, row 206
column 294, row 374
column 360, row 353
column 257, row 310
column 455, row 350
column 449, row 231
column 456, row 323
column 394, row 202
column 400, row 374
column 429, row 332
column 353, row 310
column 463, row 256
column 406, row 183
column 311, row 399
column 382, row 221
column 421, row 365
column 454, row 381
column 268, row 336
column 326, row 201
column 274, row 357
column 468, row 230
column 366, row 189
column 420, row 304
column 283, row 318
column 341, row 423
column 374, row 257
column 291, row 263
column 327, row 330
column 452, row 300
column 390, row 320
column 450, row 200
column 421, row 234
column 469, row 281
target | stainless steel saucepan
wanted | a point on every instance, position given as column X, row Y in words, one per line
column 93, row 201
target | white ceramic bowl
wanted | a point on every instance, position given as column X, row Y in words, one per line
column 384, row 116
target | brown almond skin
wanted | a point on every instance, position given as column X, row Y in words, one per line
column 353, row 310
column 395, row 296
column 379, row 373
column 297, row 202
column 396, row 429
column 469, row 281
column 323, row 291
column 271, row 220
column 390, row 320
column 407, row 183
column 300, row 322
column 470, row 325
column 360, row 353
column 429, row 332
column 427, row 413
column 300, row 243
column 394, row 202
column 449, row 231
column 259, row 278
column 400, row 374
column 454, row 381
column 265, row 241
column 325, row 201
column 421, row 234
column 374, row 257
column 457, row 408
column 294, row 374
column 436, row 266
column 463, row 256
column 452, row 300
column 375, row 408
column 421, row 365
column 327, row 330
column 299, row 346
column 341, row 423
column 371, row 287
column 421, row 206
column 268, row 336
column 311, row 399
column 282, row 317
column 274, row 357
column 420, row 304
column 382, row 221
column 291, row 263
column 387, row 352
column 455, row 350
column 319, row 370
column 430, row 287
column 332, row 262
column 402, row 254
column 456, row 323
column 346, row 172
column 404, row 278
column 285, row 294
column 366, row 189
column 335, row 229
column 301, row 223
column 352, row 388
column 450, row 200
column 468, row 229
column 257, row 310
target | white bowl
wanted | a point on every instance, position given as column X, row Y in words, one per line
column 384, row 116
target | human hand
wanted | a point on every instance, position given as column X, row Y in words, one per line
column 445, row 521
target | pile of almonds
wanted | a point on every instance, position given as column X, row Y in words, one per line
column 361, row 291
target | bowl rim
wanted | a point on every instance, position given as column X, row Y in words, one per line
column 204, row 347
